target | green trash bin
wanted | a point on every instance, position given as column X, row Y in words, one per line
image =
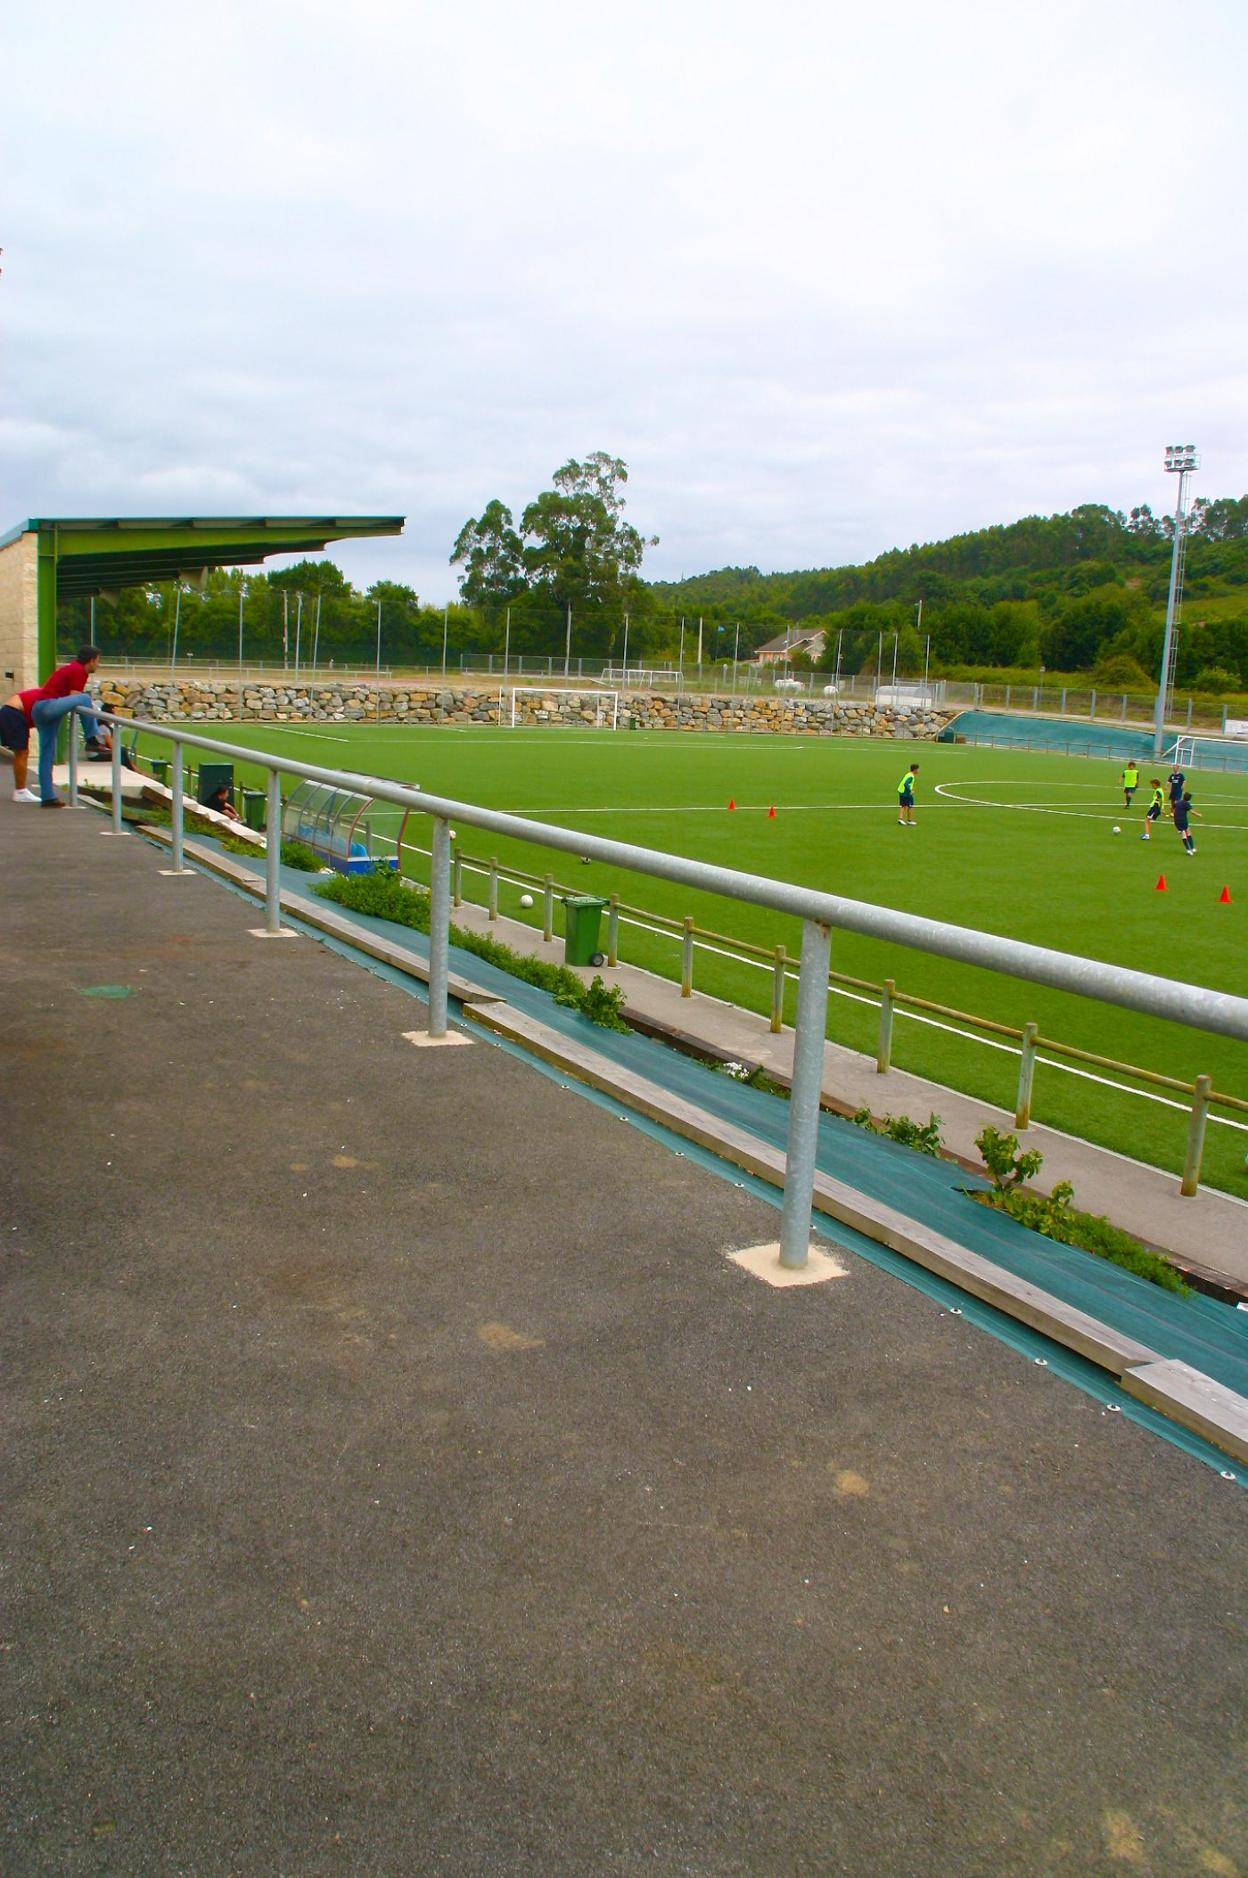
column 160, row 769
column 254, row 806
column 581, row 915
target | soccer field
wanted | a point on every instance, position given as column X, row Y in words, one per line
column 1007, row 841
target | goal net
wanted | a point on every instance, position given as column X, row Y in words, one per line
column 558, row 704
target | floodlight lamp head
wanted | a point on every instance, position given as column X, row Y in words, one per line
column 1181, row 457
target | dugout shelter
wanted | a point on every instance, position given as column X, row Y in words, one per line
column 49, row 559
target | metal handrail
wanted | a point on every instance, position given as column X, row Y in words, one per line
column 820, row 913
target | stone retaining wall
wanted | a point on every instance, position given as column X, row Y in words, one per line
column 220, row 700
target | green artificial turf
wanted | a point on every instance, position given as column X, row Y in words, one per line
column 1011, row 842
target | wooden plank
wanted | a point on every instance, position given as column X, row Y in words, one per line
column 1187, row 1396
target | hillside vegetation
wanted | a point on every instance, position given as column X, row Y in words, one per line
column 1076, row 594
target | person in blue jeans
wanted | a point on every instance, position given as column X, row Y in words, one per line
column 66, row 689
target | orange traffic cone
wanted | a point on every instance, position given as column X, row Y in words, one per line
column 732, row 802
column 771, row 813
column 1224, row 898
column 1161, row 884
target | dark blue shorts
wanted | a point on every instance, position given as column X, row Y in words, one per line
column 14, row 730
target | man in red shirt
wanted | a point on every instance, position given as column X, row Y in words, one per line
column 66, row 689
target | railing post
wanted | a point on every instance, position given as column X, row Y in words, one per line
column 457, row 877
column 686, row 959
column 273, row 856
column 1196, row 1136
column 613, row 929
column 493, row 909
column 175, row 808
column 548, row 907
column 73, row 759
column 777, row 991
column 116, row 765
column 1026, row 1075
column 884, row 1048
column 808, row 1042
column 439, row 923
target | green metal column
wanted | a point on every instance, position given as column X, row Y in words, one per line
column 46, row 604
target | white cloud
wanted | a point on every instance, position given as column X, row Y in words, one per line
column 828, row 278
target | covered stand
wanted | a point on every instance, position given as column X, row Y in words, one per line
column 335, row 824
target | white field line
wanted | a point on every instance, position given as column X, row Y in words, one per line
column 914, row 1017
column 948, row 792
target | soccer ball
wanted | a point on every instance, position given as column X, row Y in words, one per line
column 526, row 899
column 1117, row 830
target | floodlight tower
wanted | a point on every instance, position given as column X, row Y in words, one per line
column 1181, row 460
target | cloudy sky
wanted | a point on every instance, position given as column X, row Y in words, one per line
column 829, row 278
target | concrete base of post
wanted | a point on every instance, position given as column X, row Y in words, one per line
column 424, row 1041
column 262, row 932
column 763, row 1261
column 175, row 873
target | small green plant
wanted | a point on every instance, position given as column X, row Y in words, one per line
column 1007, row 1166
column 923, row 1137
column 1057, row 1218
column 599, row 1002
column 299, row 855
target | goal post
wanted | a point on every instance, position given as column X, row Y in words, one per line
column 1229, row 754
column 550, row 704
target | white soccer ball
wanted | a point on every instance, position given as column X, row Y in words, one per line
column 451, row 833
column 1117, row 830
column 526, row 899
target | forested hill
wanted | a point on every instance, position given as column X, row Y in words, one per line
column 1065, row 591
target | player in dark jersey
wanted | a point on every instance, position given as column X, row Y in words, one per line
column 1174, row 782
column 1182, row 810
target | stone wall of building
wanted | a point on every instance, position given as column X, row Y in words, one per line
column 194, row 701
column 19, row 613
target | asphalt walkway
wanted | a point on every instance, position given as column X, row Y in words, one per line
column 400, row 1478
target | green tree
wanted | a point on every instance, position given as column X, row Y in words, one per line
column 492, row 556
column 579, row 552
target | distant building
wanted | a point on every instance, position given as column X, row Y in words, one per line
column 798, row 641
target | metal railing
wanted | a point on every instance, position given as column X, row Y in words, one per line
column 685, row 933
column 820, row 914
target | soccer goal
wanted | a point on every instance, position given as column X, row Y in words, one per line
column 558, row 704
column 1224, row 753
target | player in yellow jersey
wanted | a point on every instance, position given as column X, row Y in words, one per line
column 905, row 797
column 1152, row 813
column 1130, row 783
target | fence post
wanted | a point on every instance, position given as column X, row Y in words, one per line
column 457, row 876
column 777, row 992
column 439, row 923
column 1026, row 1074
column 686, row 959
column 175, row 808
column 493, row 909
column 116, row 765
column 273, row 856
column 808, row 1042
column 1092, row 703
column 884, row 1049
column 613, row 929
column 1063, row 700
column 1196, row 1136
column 548, row 907
column 73, row 759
